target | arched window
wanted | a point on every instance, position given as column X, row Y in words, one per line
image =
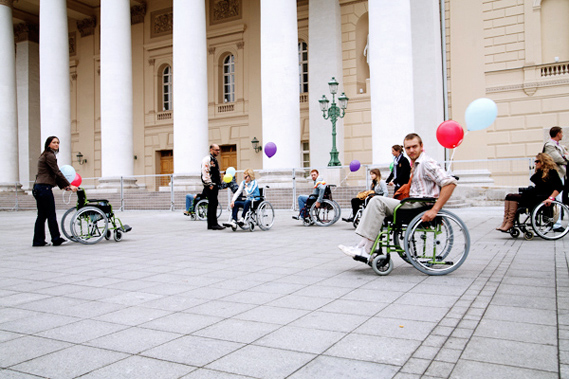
column 167, row 89
column 229, row 79
column 303, row 66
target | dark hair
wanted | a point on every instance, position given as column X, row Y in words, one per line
column 48, row 142
column 554, row 131
column 411, row 136
column 397, row 148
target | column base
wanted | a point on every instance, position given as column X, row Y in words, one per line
column 114, row 183
column 11, row 187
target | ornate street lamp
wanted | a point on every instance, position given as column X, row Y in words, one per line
column 333, row 113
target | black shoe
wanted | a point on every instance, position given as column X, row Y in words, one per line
column 216, row 227
column 349, row 219
column 296, row 217
column 41, row 244
column 559, row 229
column 59, row 242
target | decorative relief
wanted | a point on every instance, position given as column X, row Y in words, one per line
column 161, row 22
column 151, row 61
column 240, row 45
column 221, row 11
column 87, row 26
column 137, row 13
column 26, row 32
column 72, row 43
column 211, row 50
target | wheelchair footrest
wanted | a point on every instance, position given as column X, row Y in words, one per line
column 126, row 228
column 360, row 258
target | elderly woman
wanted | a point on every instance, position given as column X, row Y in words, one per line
column 48, row 177
column 250, row 190
column 377, row 187
column 547, row 187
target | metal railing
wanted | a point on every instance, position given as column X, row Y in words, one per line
column 166, row 192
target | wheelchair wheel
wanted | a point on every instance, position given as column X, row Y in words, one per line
column 66, row 223
column 550, row 222
column 381, row 265
column 108, row 234
column 398, row 241
column 201, row 209
column 327, row 214
column 437, row 247
column 357, row 218
column 265, row 215
column 89, row 225
column 118, row 235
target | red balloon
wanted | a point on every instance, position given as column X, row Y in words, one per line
column 77, row 181
column 450, row 134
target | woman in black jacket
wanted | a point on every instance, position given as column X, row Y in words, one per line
column 547, row 186
column 401, row 169
column 48, row 177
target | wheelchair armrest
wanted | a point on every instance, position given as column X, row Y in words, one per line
column 419, row 200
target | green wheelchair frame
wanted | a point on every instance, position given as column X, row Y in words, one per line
column 91, row 220
column 437, row 247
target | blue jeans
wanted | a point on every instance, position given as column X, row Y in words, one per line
column 46, row 211
column 302, row 201
column 190, row 202
column 238, row 204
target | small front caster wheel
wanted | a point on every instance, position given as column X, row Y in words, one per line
column 382, row 265
column 118, row 235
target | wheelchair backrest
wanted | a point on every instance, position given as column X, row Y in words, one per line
column 328, row 191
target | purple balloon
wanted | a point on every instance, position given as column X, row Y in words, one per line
column 270, row 149
column 354, row 165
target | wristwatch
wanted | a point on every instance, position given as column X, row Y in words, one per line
column 551, row 198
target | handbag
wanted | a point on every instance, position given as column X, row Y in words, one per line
column 362, row 195
column 403, row 191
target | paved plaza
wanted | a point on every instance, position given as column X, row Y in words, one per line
column 174, row 300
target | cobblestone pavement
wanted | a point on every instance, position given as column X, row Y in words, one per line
column 173, row 300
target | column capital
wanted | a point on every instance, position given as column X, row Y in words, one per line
column 25, row 31
column 211, row 50
column 87, row 26
column 8, row 3
column 137, row 13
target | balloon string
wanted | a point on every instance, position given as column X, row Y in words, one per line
column 63, row 198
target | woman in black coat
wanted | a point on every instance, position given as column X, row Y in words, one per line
column 401, row 168
column 547, row 186
column 48, row 177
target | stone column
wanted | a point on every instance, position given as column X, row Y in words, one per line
column 27, row 79
column 391, row 75
column 8, row 108
column 55, row 92
column 191, row 142
column 324, row 62
column 279, row 84
column 117, row 157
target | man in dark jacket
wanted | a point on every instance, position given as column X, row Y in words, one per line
column 211, row 178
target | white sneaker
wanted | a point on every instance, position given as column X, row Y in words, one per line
column 232, row 224
column 352, row 251
column 241, row 221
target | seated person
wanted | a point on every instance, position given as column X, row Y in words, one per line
column 377, row 187
column 547, row 186
column 401, row 170
column 428, row 179
column 250, row 191
column 190, row 198
column 319, row 188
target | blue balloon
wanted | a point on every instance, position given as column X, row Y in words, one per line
column 230, row 171
column 480, row 114
column 69, row 172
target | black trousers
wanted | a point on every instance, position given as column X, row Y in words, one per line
column 356, row 205
column 46, row 211
column 211, row 195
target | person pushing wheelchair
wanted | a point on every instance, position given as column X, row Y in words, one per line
column 428, row 179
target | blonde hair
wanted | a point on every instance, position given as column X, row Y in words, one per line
column 547, row 164
column 249, row 172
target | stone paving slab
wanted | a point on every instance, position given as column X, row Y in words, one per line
column 174, row 300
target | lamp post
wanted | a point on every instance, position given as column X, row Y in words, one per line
column 333, row 113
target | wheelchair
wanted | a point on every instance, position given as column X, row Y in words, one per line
column 327, row 214
column 360, row 212
column 201, row 204
column 548, row 222
column 92, row 220
column 260, row 213
column 437, row 247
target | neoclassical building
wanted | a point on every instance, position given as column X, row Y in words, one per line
column 139, row 87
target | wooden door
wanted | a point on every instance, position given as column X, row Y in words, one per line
column 166, row 166
column 228, row 157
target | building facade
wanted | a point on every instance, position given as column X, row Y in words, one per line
column 143, row 87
